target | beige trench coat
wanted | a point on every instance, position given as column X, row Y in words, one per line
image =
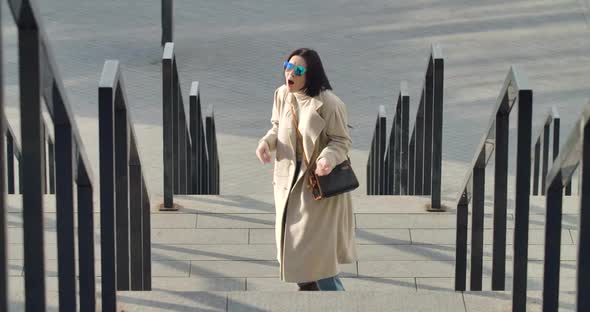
column 317, row 234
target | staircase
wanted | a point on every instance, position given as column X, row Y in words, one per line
column 217, row 253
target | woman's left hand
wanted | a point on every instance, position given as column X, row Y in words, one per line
column 323, row 167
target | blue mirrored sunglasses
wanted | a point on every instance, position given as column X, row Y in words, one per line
column 299, row 70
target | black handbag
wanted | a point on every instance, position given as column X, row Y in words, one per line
column 340, row 180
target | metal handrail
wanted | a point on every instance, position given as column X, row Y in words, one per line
column 515, row 91
column 39, row 78
column 575, row 153
column 375, row 163
column 124, row 195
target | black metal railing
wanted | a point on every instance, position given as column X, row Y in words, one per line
column 515, row 91
column 13, row 151
column 167, row 21
column 376, row 161
column 426, row 142
column 39, row 78
column 188, row 159
column 575, row 153
column 414, row 167
column 541, row 151
column 124, row 198
column 396, row 157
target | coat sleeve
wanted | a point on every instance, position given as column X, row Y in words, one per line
column 271, row 135
column 339, row 141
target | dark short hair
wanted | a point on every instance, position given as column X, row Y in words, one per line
column 316, row 80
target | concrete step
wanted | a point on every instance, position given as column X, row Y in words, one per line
column 291, row 301
column 285, row 301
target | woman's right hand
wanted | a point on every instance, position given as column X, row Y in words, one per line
column 263, row 152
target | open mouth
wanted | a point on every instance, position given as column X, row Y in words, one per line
column 290, row 82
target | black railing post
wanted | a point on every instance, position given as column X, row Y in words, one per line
column 51, row 152
column 551, row 261
column 461, row 243
column 500, row 198
column 122, row 194
column 86, row 241
column 44, row 155
column 167, row 21
column 428, row 110
column 437, row 129
column 64, row 202
column 146, row 239
column 10, row 162
column 397, row 126
column 381, row 142
column 405, row 119
column 522, row 201
column 32, row 158
column 389, row 161
column 3, row 157
column 196, row 130
column 168, row 124
column 545, row 157
column 411, row 164
column 213, row 156
column 419, row 155
column 176, row 96
column 477, row 223
column 182, row 146
column 536, row 166
column 135, row 218
column 106, row 125
column 583, row 267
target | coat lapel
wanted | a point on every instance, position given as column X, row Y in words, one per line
column 311, row 125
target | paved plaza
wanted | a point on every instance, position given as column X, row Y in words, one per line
column 217, row 254
column 235, row 50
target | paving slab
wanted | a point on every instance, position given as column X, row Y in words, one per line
column 449, row 236
column 198, row 284
column 420, row 221
column 199, row 236
column 350, row 284
column 235, row 221
column 363, row 236
column 566, row 284
column 171, row 301
column 213, row 252
column 492, row 301
column 173, row 221
column 343, row 301
column 250, row 268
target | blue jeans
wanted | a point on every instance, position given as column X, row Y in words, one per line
column 329, row 283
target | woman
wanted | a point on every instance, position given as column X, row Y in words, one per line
column 312, row 236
